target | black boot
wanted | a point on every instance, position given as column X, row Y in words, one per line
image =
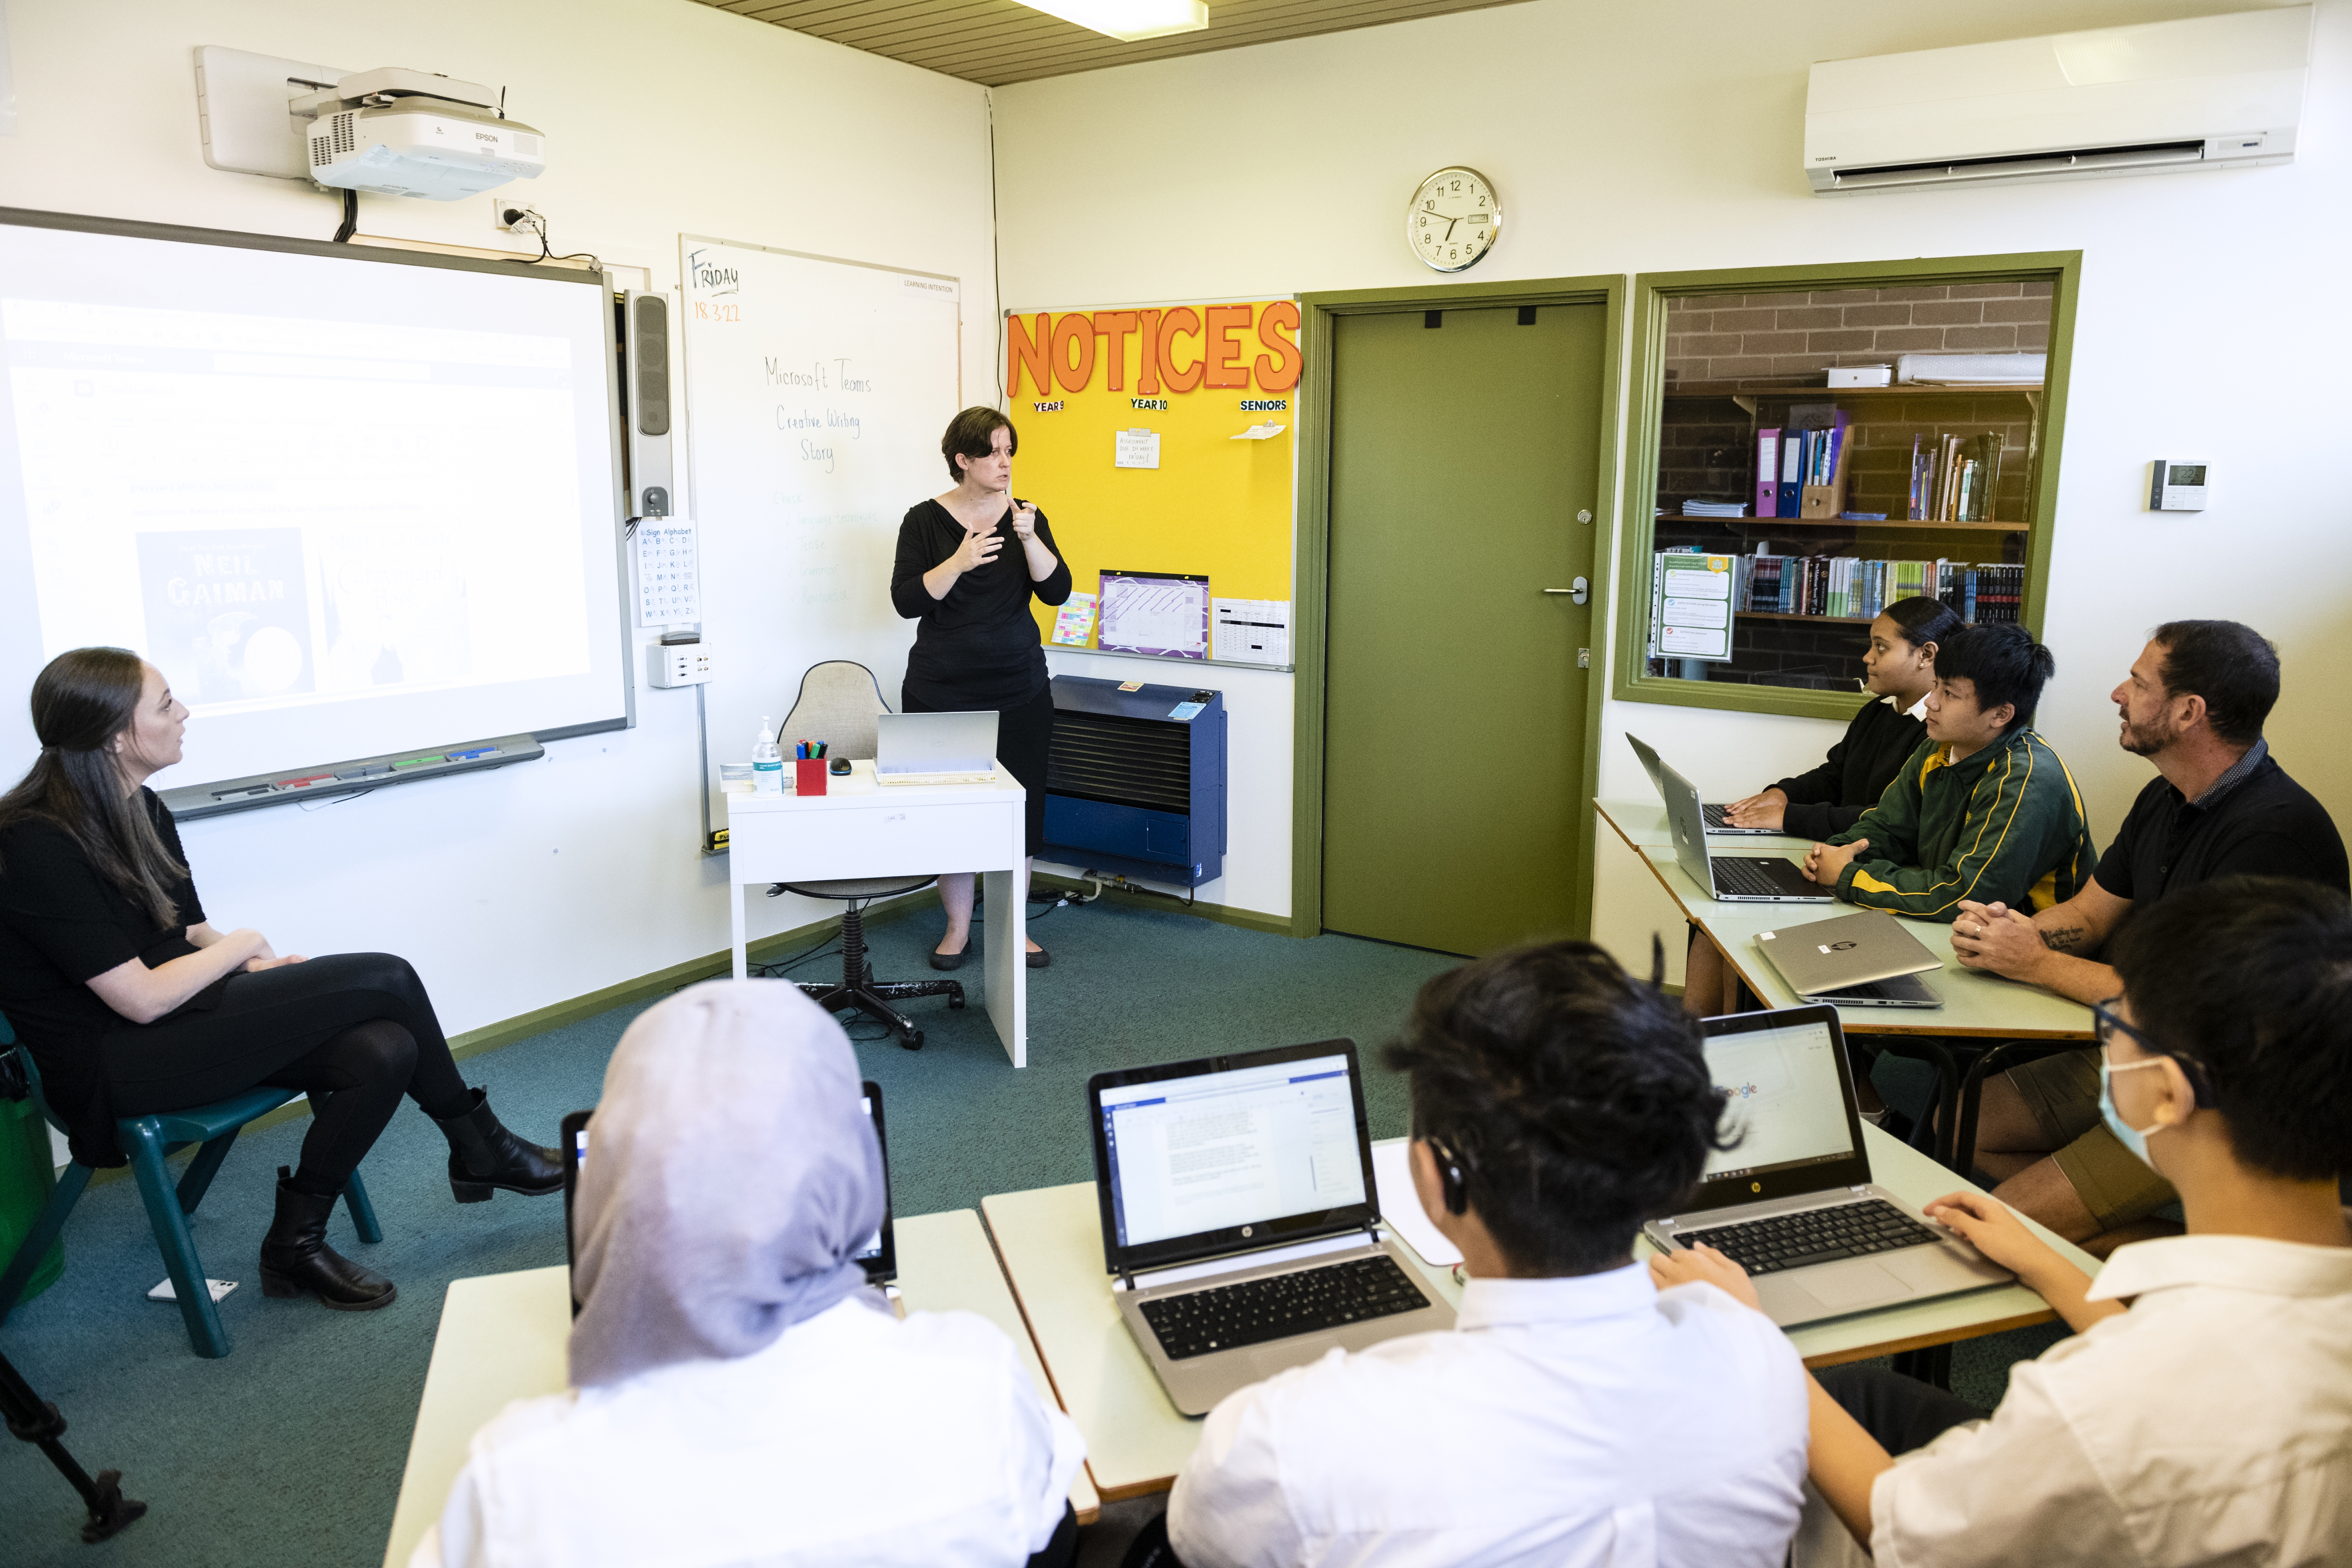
column 483, row 1154
column 296, row 1259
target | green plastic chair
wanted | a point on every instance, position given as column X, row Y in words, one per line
column 150, row 1141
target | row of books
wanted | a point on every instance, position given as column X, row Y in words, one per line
column 1955, row 479
column 1853, row 588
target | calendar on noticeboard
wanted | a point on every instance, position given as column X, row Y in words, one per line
column 669, row 574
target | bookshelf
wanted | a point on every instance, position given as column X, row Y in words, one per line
column 1707, row 450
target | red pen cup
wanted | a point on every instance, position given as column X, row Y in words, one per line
column 808, row 776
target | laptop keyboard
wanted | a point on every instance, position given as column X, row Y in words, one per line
column 1814, row 1236
column 1745, row 876
column 1280, row 1306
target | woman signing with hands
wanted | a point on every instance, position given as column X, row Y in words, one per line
column 976, row 646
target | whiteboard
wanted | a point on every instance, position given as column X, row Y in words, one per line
column 351, row 501
column 816, row 393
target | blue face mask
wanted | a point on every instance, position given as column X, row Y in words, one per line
column 2132, row 1138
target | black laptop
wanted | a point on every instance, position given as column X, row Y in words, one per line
column 879, row 1256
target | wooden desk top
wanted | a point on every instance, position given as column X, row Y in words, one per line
column 1050, row 1241
column 502, row 1338
column 1974, row 1004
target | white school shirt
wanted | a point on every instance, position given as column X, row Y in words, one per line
column 1566, row 1422
column 855, row 1438
column 2211, row 1423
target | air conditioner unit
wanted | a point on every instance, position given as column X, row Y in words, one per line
column 2211, row 92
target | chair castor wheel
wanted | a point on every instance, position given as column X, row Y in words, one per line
column 955, row 1004
column 912, row 1040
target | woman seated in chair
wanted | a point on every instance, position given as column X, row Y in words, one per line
column 132, row 1002
column 740, row 1394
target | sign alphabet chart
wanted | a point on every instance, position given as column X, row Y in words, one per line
column 669, row 576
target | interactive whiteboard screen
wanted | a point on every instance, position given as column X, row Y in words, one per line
column 349, row 501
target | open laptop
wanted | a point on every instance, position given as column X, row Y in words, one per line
column 935, row 748
column 879, row 1256
column 1865, row 959
column 1734, row 878
column 1715, row 822
column 1793, row 1202
column 1240, row 1215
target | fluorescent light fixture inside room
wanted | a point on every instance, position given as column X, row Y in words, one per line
column 1129, row 21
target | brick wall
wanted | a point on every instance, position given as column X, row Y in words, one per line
column 1793, row 338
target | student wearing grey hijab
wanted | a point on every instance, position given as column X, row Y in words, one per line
column 739, row 1395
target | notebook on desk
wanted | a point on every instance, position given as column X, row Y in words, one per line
column 878, row 1256
column 1793, row 1202
column 1241, row 1219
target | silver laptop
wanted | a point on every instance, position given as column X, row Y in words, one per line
column 1715, row 822
column 1241, row 1218
column 1793, row 1202
column 1734, row 878
column 934, row 748
column 1867, row 960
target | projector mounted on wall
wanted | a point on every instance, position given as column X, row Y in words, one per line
column 2209, row 92
column 392, row 131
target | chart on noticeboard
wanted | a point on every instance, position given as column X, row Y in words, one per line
column 1160, row 444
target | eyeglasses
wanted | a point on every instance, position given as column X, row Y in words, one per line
column 2105, row 1026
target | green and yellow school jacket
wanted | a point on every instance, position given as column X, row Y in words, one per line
column 2006, row 826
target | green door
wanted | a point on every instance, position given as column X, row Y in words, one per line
column 1463, row 446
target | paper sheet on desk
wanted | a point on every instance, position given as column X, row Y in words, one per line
column 1401, row 1206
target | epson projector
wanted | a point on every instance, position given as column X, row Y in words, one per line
column 398, row 132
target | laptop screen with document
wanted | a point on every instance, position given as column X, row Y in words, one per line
column 1790, row 1105
column 1229, row 1152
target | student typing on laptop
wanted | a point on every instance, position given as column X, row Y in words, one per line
column 2211, row 1421
column 740, row 1394
column 2193, row 704
column 1575, row 1413
column 1982, row 810
column 1899, row 667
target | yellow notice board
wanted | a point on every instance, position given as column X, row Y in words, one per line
column 1090, row 389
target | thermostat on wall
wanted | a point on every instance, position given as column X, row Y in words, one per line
column 2175, row 486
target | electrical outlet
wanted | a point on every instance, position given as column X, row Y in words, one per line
column 672, row 665
column 526, row 216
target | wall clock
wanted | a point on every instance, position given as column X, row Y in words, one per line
column 1455, row 219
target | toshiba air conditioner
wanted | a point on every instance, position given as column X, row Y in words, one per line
column 2211, row 92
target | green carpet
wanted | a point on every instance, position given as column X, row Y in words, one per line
column 290, row 1451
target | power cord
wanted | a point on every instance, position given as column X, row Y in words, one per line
column 351, row 217
column 530, row 220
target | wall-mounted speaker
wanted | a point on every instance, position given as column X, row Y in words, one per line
column 645, row 372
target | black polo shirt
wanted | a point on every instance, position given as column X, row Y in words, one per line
column 2266, row 826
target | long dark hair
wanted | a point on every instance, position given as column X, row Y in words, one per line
column 82, row 701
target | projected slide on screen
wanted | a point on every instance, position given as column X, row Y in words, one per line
column 1785, row 1103
column 345, row 505
column 1221, row 1150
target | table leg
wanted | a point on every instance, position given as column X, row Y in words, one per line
column 1007, row 955
column 735, row 915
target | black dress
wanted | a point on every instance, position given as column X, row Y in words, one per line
column 978, row 647
column 62, row 924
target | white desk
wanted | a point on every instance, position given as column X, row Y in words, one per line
column 1975, row 1002
column 859, row 828
column 1050, row 1241
column 502, row 1338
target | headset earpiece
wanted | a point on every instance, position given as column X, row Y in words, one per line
column 1450, row 1187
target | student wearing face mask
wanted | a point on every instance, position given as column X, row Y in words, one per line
column 1900, row 667
column 2202, row 1414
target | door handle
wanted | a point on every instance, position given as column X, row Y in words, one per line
column 1581, row 592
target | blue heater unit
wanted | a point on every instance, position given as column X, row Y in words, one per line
column 1137, row 783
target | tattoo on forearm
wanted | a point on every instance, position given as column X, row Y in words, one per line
column 2063, row 939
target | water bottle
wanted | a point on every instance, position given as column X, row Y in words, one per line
column 767, row 762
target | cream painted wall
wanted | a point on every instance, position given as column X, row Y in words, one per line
column 1630, row 138
column 521, row 889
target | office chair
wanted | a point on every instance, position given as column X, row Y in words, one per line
column 149, row 1140
column 837, row 701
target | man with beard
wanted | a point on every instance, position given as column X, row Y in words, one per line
column 2194, row 705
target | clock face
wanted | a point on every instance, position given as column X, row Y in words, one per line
column 1455, row 219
